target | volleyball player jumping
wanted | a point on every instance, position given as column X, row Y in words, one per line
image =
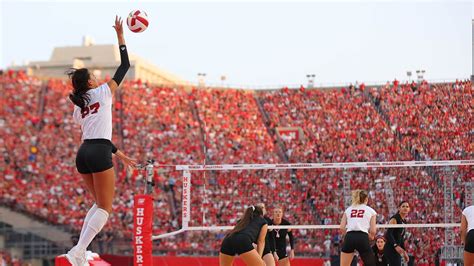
column 93, row 111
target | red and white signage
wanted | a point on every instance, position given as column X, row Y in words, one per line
column 290, row 133
column 186, row 198
column 142, row 224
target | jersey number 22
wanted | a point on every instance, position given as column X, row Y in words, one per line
column 357, row 213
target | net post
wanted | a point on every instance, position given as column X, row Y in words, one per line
column 143, row 221
column 142, row 230
column 449, row 251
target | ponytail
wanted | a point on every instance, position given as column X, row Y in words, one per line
column 80, row 83
column 359, row 196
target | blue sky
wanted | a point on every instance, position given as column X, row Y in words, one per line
column 258, row 44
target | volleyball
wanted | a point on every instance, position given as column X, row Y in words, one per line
column 137, row 21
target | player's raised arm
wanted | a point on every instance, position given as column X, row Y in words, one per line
column 124, row 61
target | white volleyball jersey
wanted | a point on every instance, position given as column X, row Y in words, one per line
column 469, row 213
column 96, row 118
column 358, row 217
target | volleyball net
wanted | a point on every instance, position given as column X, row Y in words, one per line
column 209, row 199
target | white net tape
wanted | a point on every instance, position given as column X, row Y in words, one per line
column 322, row 165
column 306, row 227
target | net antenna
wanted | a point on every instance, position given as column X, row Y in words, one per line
column 186, row 197
column 150, row 174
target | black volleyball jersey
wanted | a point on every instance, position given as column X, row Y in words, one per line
column 253, row 228
column 269, row 238
column 280, row 236
column 395, row 236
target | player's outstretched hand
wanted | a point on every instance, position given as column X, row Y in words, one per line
column 129, row 162
column 118, row 25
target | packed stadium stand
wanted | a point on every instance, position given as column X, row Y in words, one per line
column 173, row 125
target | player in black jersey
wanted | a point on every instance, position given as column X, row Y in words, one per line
column 251, row 228
column 395, row 246
column 378, row 249
column 269, row 253
column 280, row 238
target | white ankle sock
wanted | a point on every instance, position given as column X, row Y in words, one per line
column 95, row 224
column 88, row 217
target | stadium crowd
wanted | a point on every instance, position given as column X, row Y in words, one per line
column 394, row 122
column 6, row 259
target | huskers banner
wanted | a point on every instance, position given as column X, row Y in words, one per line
column 142, row 225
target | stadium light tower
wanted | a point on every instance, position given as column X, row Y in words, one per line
column 420, row 74
column 223, row 79
column 409, row 75
column 310, row 80
column 201, row 79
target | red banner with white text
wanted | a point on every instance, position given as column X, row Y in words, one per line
column 289, row 134
column 142, row 226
